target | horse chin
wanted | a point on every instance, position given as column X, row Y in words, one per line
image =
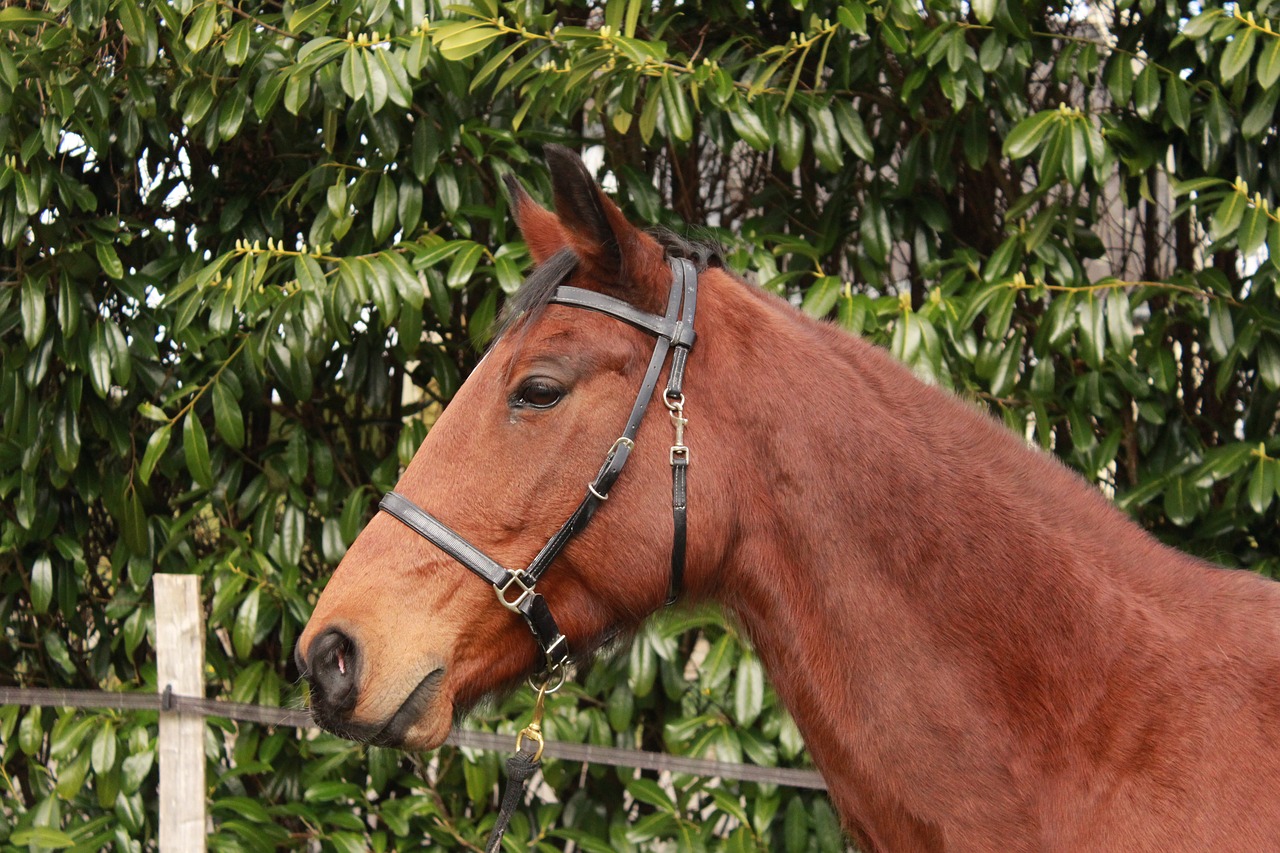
column 426, row 733
column 419, row 723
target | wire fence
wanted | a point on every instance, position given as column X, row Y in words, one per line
column 266, row 715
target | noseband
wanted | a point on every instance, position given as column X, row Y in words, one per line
column 516, row 588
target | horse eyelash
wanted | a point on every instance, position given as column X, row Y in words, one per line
column 518, row 398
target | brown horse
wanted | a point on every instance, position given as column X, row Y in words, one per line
column 981, row 652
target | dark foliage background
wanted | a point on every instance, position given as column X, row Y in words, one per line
column 249, row 248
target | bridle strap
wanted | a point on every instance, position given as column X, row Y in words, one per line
column 444, row 538
column 515, row 589
column 620, row 452
column 528, row 603
column 687, row 278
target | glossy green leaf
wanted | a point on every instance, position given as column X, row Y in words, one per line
column 1268, row 354
column 246, row 624
column 750, row 128
column 1120, row 323
column 109, row 260
column 1093, row 330
column 1252, row 233
column 1238, row 53
column 103, row 752
column 41, row 584
column 384, row 208
column 876, row 233
column 304, row 17
column 790, row 142
column 202, row 27
column 1178, row 100
column 821, row 296
column 1029, row 133
column 378, row 84
column 676, row 107
column 1269, row 63
column 1226, row 219
column 795, row 827
column 71, row 775
column 354, row 74
column 459, row 41
column 748, row 690
column 1007, row 367
column 45, row 837
column 1076, row 145
column 409, row 206
column 826, row 138
column 100, row 361
column 464, row 264
column 1180, row 503
column 227, row 418
column 853, row 130
column 649, row 114
column 15, row 17
column 985, row 10
column 195, row 449
column 236, row 48
column 33, row 310
column 648, row 791
column 156, row 446
column 1262, row 484
column 1146, row 91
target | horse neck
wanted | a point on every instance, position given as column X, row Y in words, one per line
column 916, row 580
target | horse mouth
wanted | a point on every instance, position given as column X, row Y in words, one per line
column 396, row 730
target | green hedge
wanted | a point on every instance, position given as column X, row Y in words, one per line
column 234, row 233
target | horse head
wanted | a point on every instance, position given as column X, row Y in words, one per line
column 403, row 637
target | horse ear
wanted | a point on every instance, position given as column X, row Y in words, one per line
column 540, row 228
column 619, row 255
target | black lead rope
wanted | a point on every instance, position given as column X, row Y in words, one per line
column 520, row 769
column 516, row 589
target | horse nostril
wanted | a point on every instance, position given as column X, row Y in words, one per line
column 333, row 671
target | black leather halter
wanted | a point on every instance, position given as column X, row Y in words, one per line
column 516, row 588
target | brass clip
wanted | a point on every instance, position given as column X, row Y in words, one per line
column 678, row 449
column 533, row 731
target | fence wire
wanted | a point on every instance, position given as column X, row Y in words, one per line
column 271, row 716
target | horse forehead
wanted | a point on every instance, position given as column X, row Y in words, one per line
column 585, row 340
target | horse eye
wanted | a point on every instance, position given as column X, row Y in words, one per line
column 538, row 394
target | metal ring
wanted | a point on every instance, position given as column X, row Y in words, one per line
column 591, row 487
column 674, row 404
column 549, row 690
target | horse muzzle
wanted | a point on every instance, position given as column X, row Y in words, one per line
column 332, row 666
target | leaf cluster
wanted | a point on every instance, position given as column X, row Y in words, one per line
column 248, row 250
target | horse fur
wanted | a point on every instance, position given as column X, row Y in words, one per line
column 982, row 653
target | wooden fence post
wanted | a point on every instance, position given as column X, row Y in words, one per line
column 180, row 668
